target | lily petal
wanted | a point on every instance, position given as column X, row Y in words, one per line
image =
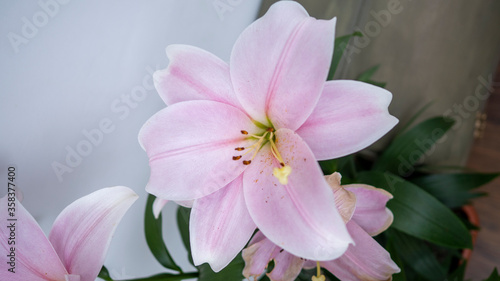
column 258, row 254
column 81, row 234
column 279, row 64
column 72, row 277
column 190, row 147
column 301, row 216
column 344, row 199
column 194, row 74
column 158, row 205
column 371, row 212
column 220, row 226
column 366, row 260
column 286, row 267
column 350, row 116
column 35, row 258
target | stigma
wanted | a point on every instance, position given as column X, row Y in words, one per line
column 282, row 174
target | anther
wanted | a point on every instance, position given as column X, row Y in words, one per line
column 237, row 157
column 239, row 148
column 244, row 132
column 247, row 162
column 270, row 130
column 282, row 164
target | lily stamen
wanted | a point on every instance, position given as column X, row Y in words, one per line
column 280, row 173
column 275, row 151
column 254, row 147
column 319, row 276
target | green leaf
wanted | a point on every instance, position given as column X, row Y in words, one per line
column 391, row 248
column 154, row 237
column 415, row 117
column 183, row 225
column 419, row 214
column 417, row 255
column 458, row 181
column 234, row 271
column 368, row 73
column 494, row 276
column 366, row 77
column 104, row 274
column 454, row 189
column 340, row 45
column 328, row 166
column 434, row 169
column 346, row 166
column 410, row 147
column 459, row 273
column 376, row 83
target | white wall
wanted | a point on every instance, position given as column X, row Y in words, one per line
column 69, row 67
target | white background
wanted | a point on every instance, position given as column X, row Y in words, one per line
column 68, row 67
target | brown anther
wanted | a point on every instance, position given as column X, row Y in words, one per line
column 282, row 164
column 244, row 132
column 239, row 148
column 270, row 130
column 247, row 162
column 237, row 157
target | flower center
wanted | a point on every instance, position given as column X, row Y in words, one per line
column 268, row 136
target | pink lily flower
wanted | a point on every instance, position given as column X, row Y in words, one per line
column 363, row 209
column 77, row 244
column 242, row 140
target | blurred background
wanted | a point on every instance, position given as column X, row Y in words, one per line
column 76, row 88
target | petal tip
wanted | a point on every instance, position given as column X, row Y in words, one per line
column 288, row 5
column 126, row 192
column 172, row 49
column 158, row 205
